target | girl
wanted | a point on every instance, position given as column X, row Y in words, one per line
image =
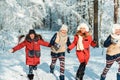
column 82, row 40
column 58, row 48
column 32, row 44
column 113, row 51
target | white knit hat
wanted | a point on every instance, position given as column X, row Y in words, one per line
column 64, row 27
column 83, row 25
column 115, row 26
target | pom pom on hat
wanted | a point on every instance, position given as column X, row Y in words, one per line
column 83, row 25
column 64, row 27
column 115, row 26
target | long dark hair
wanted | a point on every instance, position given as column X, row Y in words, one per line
column 20, row 37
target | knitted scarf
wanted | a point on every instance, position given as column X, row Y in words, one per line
column 79, row 43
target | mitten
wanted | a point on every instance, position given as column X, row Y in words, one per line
column 56, row 46
column 68, row 50
column 11, row 50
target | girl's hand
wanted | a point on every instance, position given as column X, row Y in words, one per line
column 68, row 50
column 11, row 50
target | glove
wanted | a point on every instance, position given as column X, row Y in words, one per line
column 94, row 43
column 11, row 50
column 56, row 46
column 68, row 50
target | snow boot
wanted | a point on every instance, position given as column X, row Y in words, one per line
column 102, row 78
column 118, row 76
column 80, row 76
column 61, row 77
column 52, row 69
column 30, row 76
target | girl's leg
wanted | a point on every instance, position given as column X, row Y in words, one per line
column 80, row 71
column 118, row 61
column 62, row 66
column 54, row 59
column 106, row 69
column 30, row 69
column 35, row 67
column 30, row 75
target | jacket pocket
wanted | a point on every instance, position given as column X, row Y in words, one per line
column 31, row 53
column 37, row 54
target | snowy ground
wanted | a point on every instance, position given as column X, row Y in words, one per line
column 12, row 66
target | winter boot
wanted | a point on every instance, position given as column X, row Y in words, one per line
column 61, row 77
column 102, row 78
column 30, row 76
column 118, row 76
column 52, row 68
column 80, row 76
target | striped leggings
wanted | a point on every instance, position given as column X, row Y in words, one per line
column 61, row 57
column 109, row 61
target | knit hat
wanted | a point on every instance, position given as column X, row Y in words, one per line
column 83, row 25
column 64, row 27
column 31, row 31
column 115, row 26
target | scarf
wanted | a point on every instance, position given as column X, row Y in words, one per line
column 116, row 38
column 79, row 43
column 61, row 39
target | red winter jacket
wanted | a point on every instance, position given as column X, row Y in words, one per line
column 83, row 56
column 33, row 45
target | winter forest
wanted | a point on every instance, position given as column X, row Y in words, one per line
column 46, row 17
column 20, row 16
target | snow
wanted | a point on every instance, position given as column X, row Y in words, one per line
column 12, row 65
column 17, row 17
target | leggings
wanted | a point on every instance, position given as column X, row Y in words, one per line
column 109, row 62
column 61, row 57
column 31, row 68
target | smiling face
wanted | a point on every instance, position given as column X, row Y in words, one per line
column 64, row 31
column 32, row 36
column 117, row 31
column 83, row 29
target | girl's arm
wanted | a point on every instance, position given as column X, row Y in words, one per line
column 108, row 42
column 52, row 41
column 73, row 44
column 44, row 43
column 19, row 46
column 68, row 41
column 92, row 42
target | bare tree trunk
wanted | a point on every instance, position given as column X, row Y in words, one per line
column 96, row 21
column 1, row 27
column 116, row 6
column 50, row 19
column 90, row 12
column 62, row 18
column 101, row 13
